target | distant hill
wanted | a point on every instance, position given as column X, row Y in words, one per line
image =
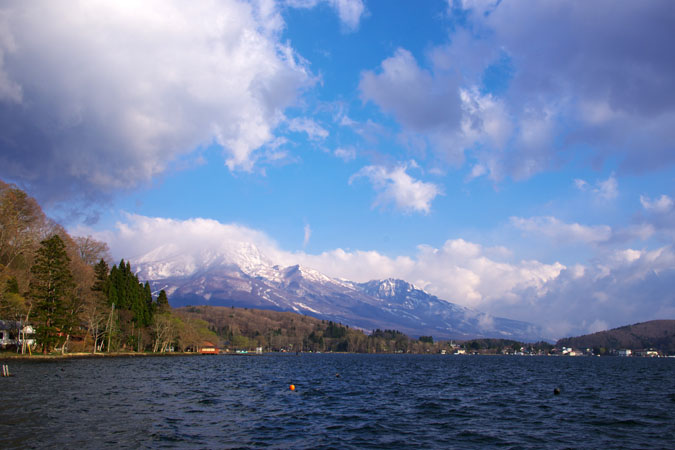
column 246, row 328
column 657, row 334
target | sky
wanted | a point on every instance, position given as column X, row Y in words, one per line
column 514, row 157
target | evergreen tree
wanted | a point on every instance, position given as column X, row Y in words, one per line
column 101, row 283
column 52, row 289
column 162, row 302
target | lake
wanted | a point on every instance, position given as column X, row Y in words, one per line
column 341, row 401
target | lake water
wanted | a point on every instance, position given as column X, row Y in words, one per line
column 378, row 401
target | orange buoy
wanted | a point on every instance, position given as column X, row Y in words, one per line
column 291, row 387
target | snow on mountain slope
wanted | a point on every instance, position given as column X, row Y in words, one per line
column 240, row 275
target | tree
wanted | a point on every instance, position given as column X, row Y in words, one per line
column 52, row 289
column 21, row 220
column 90, row 250
column 12, row 305
column 164, row 328
column 162, row 302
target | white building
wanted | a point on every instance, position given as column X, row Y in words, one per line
column 10, row 336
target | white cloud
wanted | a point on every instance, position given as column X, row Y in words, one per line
column 345, row 153
column 608, row 189
column 350, row 12
column 476, row 171
column 561, row 232
column 623, row 286
column 112, row 92
column 662, row 204
column 582, row 185
column 397, row 187
column 305, row 125
column 560, row 98
column 603, row 190
column 308, row 234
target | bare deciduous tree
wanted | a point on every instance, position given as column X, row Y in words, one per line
column 92, row 251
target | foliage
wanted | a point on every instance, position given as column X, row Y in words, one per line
column 245, row 329
column 52, row 290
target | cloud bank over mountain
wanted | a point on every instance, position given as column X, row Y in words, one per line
column 626, row 286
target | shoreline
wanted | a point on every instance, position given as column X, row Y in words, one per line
column 37, row 357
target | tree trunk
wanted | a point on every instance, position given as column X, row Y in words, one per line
column 95, row 336
column 63, row 347
column 23, row 341
column 110, row 325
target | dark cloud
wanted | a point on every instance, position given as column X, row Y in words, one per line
column 593, row 77
column 604, row 69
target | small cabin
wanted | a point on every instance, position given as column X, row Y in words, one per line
column 209, row 348
column 12, row 334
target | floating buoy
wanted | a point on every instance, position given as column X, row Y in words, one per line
column 291, row 387
column 556, row 391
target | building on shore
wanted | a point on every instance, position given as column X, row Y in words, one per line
column 209, row 348
column 13, row 334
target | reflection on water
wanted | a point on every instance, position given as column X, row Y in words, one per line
column 377, row 401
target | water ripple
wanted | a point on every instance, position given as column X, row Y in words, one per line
column 378, row 401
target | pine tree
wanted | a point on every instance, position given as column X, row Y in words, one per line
column 162, row 302
column 101, row 283
column 52, row 289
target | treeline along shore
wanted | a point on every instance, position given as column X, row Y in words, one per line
column 61, row 294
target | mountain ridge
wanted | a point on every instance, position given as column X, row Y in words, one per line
column 241, row 275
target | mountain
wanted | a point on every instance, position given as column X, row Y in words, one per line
column 657, row 334
column 240, row 275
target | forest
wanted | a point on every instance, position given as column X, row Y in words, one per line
column 244, row 328
column 65, row 290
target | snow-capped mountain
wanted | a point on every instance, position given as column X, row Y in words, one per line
column 240, row 275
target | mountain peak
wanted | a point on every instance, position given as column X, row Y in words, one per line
column 238, row 273
column 388, row 288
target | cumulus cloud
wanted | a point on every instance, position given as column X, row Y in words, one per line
column 350, row 12
column 98, row 96
column 426, row 104
column 411, row 93
column 602, row 190
column 660, row 216
column 627, row 286
column 562, row 232
column 600, row 67
column 662, row 204
column 305, row 125
column 345, row 153
column 597, row 78
column 397, row 187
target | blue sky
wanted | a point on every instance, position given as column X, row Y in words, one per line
column 515, row 157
